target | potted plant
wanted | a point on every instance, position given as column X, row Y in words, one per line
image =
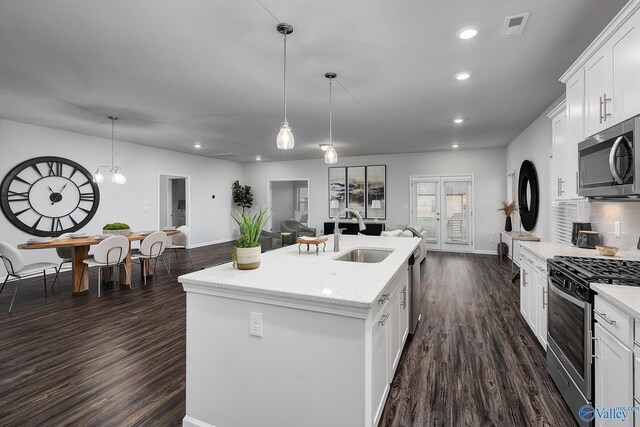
column 117, row 228
column 242, row 195
column 246, row 252
column 507, row 208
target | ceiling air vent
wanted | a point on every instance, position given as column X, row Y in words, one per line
column 514, row 25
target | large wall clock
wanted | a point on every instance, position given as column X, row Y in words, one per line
column 49, row 196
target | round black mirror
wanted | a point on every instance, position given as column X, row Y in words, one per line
column 528, row 195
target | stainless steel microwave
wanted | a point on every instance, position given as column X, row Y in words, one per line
column 608, row 163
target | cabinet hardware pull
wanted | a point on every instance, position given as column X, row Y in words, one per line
column 558, row 186
column 383, row 319
column 544, row 300
column 577, row 182
column 601, row 110
column 384, row 298
column 403, row 301
column 604, row 317
column 594, row 356
column 604, row 106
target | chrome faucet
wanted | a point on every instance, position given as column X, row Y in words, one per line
column 336, row 230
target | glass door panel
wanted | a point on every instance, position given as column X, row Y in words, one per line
column 457, row 213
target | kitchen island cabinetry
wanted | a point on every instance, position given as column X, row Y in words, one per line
column 332, row 336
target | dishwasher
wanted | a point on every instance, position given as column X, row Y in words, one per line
column 417, row 271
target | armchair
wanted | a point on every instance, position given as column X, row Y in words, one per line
column 269, row 240
column 297, row 229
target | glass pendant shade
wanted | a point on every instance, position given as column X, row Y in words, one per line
column 118, row 178
column 98, row 177
column 285, row 139
column 331, row 156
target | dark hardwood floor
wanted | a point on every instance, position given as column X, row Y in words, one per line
column 473, row 360
column 119, row 360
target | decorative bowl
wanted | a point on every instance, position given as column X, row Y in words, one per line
column 605, row 250
column 125, row 232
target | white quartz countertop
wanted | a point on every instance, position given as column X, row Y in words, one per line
column 307, row 277
column 627, row 298
column 549, row 250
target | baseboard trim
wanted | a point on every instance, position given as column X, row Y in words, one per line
column 213, row 242
column 485, row 252
column 188, row 421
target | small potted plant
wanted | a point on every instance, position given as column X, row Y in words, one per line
column 507, row 208
column 246, row 252
column 117, row 228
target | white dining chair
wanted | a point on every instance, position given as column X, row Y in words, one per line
column 109, row 253
column 180, row 241
column 17, row 268
column 152, row 248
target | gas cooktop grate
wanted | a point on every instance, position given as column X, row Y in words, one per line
column 601, row 270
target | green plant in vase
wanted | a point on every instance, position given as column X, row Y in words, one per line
column 247, row 249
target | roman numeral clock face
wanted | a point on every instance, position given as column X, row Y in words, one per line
column 49, row 196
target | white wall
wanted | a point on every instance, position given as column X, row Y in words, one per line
column 534, row 144
column 210, row 220
column 487, row 165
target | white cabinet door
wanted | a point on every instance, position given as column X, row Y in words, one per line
column 379, row 362
column 541, row 294
column 574, row 132
column 395, row 339
column 559, row 137
column 625, row 65
column 398, row 328
column 613, row 375
column 527, row 296
column 596, row 89
column 636, row 379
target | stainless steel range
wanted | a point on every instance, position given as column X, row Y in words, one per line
column 570, row 317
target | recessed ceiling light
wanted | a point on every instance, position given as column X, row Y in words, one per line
column 258, row 158
column 455, row 146
column 197, row 145
column 323, row 147
column 458, row 120
column 467, row 33
column 463, row 76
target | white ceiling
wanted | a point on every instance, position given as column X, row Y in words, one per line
column 180, row 72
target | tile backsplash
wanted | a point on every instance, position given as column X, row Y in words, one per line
column 604, row 214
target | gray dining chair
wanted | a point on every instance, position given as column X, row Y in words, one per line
column 109, row 253
column 17, row 268
column 152, row 248
column 180, row 241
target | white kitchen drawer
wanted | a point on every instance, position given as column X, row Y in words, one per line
column 394, row 285
column 636, row 379
column 615, row 321
column 538, row 263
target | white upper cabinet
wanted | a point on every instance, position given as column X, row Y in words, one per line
column 574, row 114
column 609, row 70
column 597, row 92
column 625, row 65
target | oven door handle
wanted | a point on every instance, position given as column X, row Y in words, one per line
column 564, row 295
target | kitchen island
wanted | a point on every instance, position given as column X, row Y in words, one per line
column 304, row 340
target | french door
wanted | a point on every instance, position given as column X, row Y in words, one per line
column 442, row 205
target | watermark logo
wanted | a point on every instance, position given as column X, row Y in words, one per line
column 588, row 413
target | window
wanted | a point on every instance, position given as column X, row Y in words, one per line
column 562, row 216
column 302, row 197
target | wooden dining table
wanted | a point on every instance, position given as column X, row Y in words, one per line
column 80, row 275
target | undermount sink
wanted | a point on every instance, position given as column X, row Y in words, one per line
column 365, row 255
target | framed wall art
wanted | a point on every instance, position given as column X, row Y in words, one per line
column 376, row 189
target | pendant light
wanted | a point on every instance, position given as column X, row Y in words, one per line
column 117, row 175
column 330, row 155
column 285, row 140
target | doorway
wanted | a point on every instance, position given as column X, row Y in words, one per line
column 173, row 201
column 443, row 206
column 288, row 200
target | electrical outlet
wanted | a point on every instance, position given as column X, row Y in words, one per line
column 491, row 239
column 616, row 226
column 255, row 324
